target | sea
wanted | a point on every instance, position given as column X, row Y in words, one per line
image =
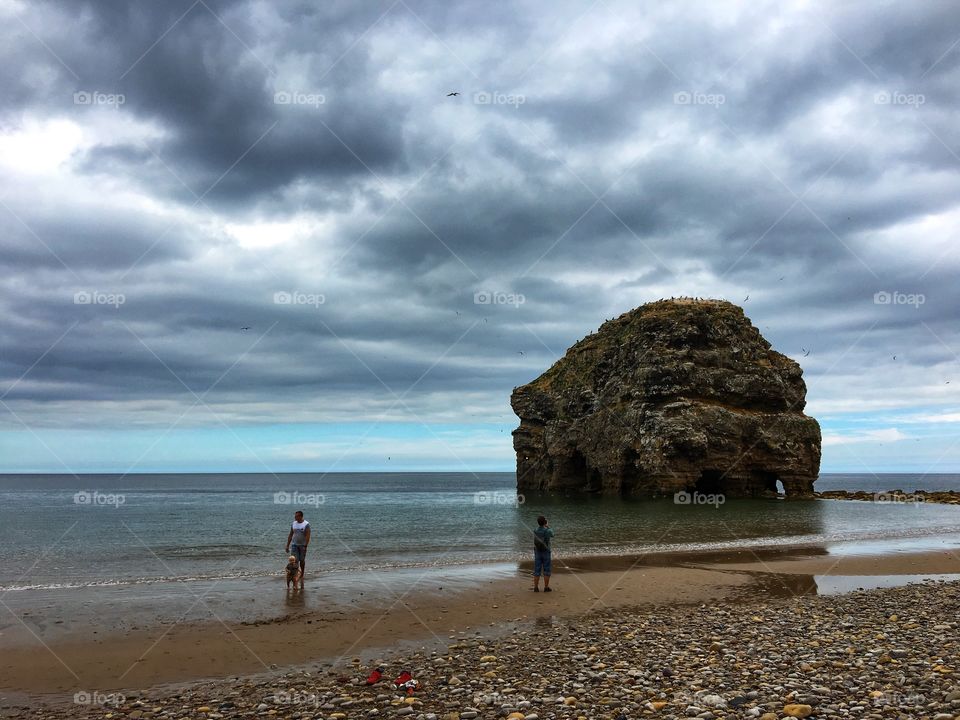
column 137, row 541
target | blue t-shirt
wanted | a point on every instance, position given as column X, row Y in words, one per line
column 543, row 534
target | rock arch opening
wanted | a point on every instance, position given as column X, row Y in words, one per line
column 766, row 483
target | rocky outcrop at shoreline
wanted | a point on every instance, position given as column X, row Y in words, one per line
column 877, row 654
column 944, row 497
column 676, row 395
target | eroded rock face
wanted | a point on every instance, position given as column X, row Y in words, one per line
column 674, row 395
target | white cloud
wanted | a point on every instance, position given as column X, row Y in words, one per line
column 865, row 436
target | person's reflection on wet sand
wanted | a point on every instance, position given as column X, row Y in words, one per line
column 295, row 597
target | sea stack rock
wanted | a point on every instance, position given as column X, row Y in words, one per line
column 675, row 395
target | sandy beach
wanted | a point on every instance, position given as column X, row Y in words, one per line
column 156, row 661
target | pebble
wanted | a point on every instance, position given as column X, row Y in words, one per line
column 714, row 701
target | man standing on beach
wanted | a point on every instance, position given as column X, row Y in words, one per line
column 298, row 539
column 541, row 555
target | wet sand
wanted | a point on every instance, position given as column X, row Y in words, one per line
column 424, row 617
column 56, row 661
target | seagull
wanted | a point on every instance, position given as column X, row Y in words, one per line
column 781, row 277
column 805, row 351
column 452, row 94
column 245, row 328
column 519, row 352
column 746, row 298
column 894, row 357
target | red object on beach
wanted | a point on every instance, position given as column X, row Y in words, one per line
column 403, row 678
column 374, row 677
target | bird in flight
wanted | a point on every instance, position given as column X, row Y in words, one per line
column 746, row 298
column 805, row 352
column 245, row 328
column 519, row 352
column 452, row 94
column 894, row 357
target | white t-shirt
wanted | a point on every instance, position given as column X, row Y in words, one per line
column 299, row 532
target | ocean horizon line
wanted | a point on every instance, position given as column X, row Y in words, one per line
column 879, row 473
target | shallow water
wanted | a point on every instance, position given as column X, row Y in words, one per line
column 839, row 584
column 62, row 532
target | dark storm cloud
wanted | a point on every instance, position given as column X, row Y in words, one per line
column 613, row 155
column 207, row 85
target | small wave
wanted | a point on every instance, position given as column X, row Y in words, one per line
column 99, row 583
column 208, row 551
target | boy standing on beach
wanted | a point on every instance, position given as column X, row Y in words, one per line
column 298, row 540
column 541, row 555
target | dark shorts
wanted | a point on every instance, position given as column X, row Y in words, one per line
column 541, row 563
column 299, row 552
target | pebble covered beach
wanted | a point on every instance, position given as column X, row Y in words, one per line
column 884, row 653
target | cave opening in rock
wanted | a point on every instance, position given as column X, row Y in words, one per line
column 710, row 482
column 594, row 481
column 591, row 479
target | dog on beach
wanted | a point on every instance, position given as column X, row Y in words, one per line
column 293, row 570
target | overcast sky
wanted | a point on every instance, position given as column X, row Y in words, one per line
column 261, row 236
